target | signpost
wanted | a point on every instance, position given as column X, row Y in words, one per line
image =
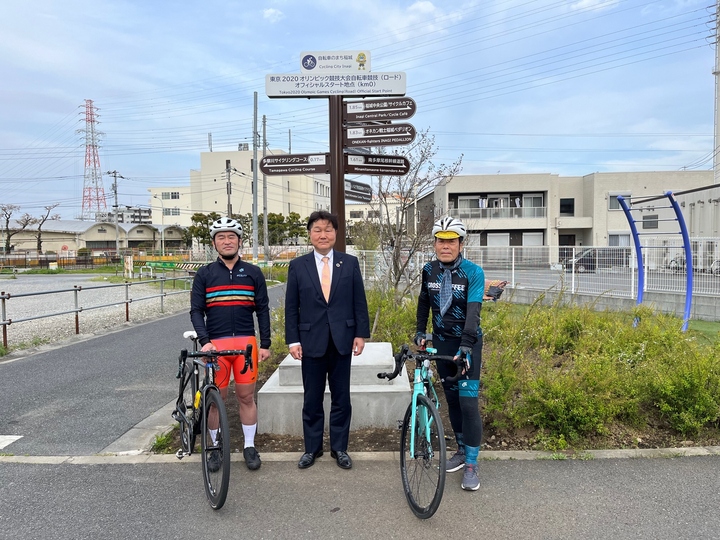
column 353, row 124
column 295, row 164
column 357, row 191
column 316, row 85
column 377, row 164
column 379, row 109
column 334, row 61
column 385, row 135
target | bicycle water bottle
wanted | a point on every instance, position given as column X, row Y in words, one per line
column 197, row 399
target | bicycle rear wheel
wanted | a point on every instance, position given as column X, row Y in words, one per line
column 422, row 467
column 215, row 441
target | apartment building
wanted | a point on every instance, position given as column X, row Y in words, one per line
column 551, row 210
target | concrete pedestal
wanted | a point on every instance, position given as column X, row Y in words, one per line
column 376, row 402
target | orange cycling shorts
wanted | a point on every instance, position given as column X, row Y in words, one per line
column 235, row 364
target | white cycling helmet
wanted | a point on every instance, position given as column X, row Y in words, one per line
column 449, row 227
column 225, row 225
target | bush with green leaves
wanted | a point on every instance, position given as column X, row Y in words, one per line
column 568, row 373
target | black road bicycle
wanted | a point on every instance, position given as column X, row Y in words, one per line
column 200, row 410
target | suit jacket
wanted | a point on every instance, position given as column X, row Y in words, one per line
column 310, row 320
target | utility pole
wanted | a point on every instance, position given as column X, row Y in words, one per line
column 716, row 73
column 337, row 172
column 228, row 188
column 255, row 183
column 266, row 243
column 115, row 176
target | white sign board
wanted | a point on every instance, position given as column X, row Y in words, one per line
column 306, row 85
column 334, row 61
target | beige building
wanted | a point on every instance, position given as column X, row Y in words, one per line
column 65, row 237
column 550, row 210
column 225, row 180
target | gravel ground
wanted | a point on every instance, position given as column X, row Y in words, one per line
column 23, row 334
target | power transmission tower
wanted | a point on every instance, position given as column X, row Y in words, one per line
column 93, row 200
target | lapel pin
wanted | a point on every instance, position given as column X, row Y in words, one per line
column 337, row 264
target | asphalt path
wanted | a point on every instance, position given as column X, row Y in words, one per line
column 602, row 499
column 70, row 403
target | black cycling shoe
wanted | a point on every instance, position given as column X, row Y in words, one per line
column 252, row 458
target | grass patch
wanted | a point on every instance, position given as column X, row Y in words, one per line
column 163, row 444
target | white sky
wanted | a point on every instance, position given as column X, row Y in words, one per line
column 516, row 86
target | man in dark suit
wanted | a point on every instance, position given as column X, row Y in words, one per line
column 326, row 323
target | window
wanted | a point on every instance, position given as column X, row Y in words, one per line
column 175, row 211
column 613, row 203
column 170, row 195
column 533, row 200
column 618, row 239
column 356, row 214
column 167, row 211
column 567, row 207
column 650, row 222
column 374, row 214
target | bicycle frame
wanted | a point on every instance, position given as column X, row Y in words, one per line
column 421, row 384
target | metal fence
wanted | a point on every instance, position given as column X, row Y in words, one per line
column 611, row 271
column 77, row 300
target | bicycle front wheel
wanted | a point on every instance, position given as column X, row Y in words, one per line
column 215, row 441
column 422, row 461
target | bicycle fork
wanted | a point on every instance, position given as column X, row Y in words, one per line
column 423, row 418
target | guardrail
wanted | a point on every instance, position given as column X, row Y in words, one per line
column 78, row 308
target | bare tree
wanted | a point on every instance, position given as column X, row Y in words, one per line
column 396, row 196
column 41, row 221
column 6, row 213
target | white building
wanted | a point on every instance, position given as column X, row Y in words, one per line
column 550, row 210
column 225, row 180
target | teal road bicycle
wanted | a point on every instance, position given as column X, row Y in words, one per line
column 422, row 441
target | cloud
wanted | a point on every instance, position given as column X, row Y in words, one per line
column 273, row 15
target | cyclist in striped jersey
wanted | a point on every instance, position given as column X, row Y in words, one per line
column 225, row 294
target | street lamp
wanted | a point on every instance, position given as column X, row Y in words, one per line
column 162, row 225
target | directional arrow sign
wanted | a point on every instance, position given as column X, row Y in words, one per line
column 357, row 191
column 295, row 164
column 376, row 164
column 379, row 109
column 385, row 135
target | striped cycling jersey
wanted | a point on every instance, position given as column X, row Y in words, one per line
column 230, row 295
column 223, row 301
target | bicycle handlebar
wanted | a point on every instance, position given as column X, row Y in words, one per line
column 423, row 354
column 214, row 354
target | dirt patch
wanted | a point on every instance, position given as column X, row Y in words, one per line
column 387, row 440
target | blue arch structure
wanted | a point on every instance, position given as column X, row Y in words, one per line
column 679, row 218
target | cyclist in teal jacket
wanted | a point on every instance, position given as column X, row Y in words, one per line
column 452, row 289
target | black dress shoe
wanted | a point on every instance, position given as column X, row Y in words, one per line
column 307, row 459
column 342, row 458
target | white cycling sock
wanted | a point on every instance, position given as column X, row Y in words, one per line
column 213, row 435
column 249, row 433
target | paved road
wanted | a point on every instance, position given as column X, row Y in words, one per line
column 74, row 402
column 603, row 499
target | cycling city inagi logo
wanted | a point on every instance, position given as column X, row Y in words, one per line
column 309, row 61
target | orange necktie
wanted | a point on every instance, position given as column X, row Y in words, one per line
column 325, row 281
